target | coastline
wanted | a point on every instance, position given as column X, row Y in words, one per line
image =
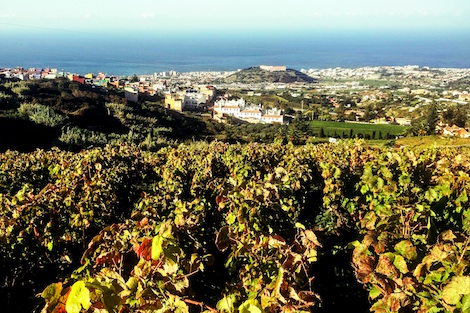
column 146, row 53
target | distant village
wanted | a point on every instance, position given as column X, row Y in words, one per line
column 196, row 97
column 380, row 95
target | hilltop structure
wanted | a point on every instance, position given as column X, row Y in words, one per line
column 271, row 68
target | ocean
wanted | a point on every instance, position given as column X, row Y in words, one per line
column 149, row 52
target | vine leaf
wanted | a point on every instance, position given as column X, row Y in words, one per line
column 406, row 249
column 250, row 306
column 466, row 304
column 157, row 248
column 458, row 286
column 79, row 297
column 226, row 304
column 52, row 292
column 400, row 263
column 52, row 295
column 222, row 240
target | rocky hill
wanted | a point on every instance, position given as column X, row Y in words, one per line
column 258, row 75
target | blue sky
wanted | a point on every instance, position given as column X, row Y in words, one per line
column 240, row 15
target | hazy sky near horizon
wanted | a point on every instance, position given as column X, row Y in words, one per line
column 242, row 15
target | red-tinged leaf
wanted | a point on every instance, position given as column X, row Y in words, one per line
column 110, row 259
column 220, row 199
column 145, row 249
column 308, row 297
column 384, row 285
column 369, row 220
column 385, row 266
column 394, row 303
column 410, row 283
column 369, row 238
column 143, row 222
column 292, row 260
column 364, row 268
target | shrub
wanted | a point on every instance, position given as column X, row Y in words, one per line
column 41, row 114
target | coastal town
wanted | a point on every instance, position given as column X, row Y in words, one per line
column 373, row 95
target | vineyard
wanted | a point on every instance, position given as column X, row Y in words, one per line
column 235, row 228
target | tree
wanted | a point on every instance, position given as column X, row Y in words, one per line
column 432, row 117
column 340, row 114
column 351, row 116
column 369, row 113
column 455, row 115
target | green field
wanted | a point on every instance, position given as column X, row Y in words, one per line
column 345, row 130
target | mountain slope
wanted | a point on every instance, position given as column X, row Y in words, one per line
column 257, row 75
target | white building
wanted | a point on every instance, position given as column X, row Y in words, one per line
column 251, row 113
column 271, row 68
column 193, row 99
column 131, row 94
column 229, row 107
column 273, row 116
column 239, row 109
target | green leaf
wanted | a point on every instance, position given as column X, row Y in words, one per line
column 364, row 189
column 462, row 198
column 406, row 249
column 466, row 303
column 400, row 264
column 231, row 218
column 157, row 248
column 79, row 297
column 458, row 286
column 374, row 292
column 226, row 304
column 250, row 306
column 174, row 304
column 132, row 283
column 380, row 183
column 386, row 173
column 52, row 293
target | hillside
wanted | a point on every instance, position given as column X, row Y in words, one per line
column 42, row 114
column 48, row 113
column 257, row 75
